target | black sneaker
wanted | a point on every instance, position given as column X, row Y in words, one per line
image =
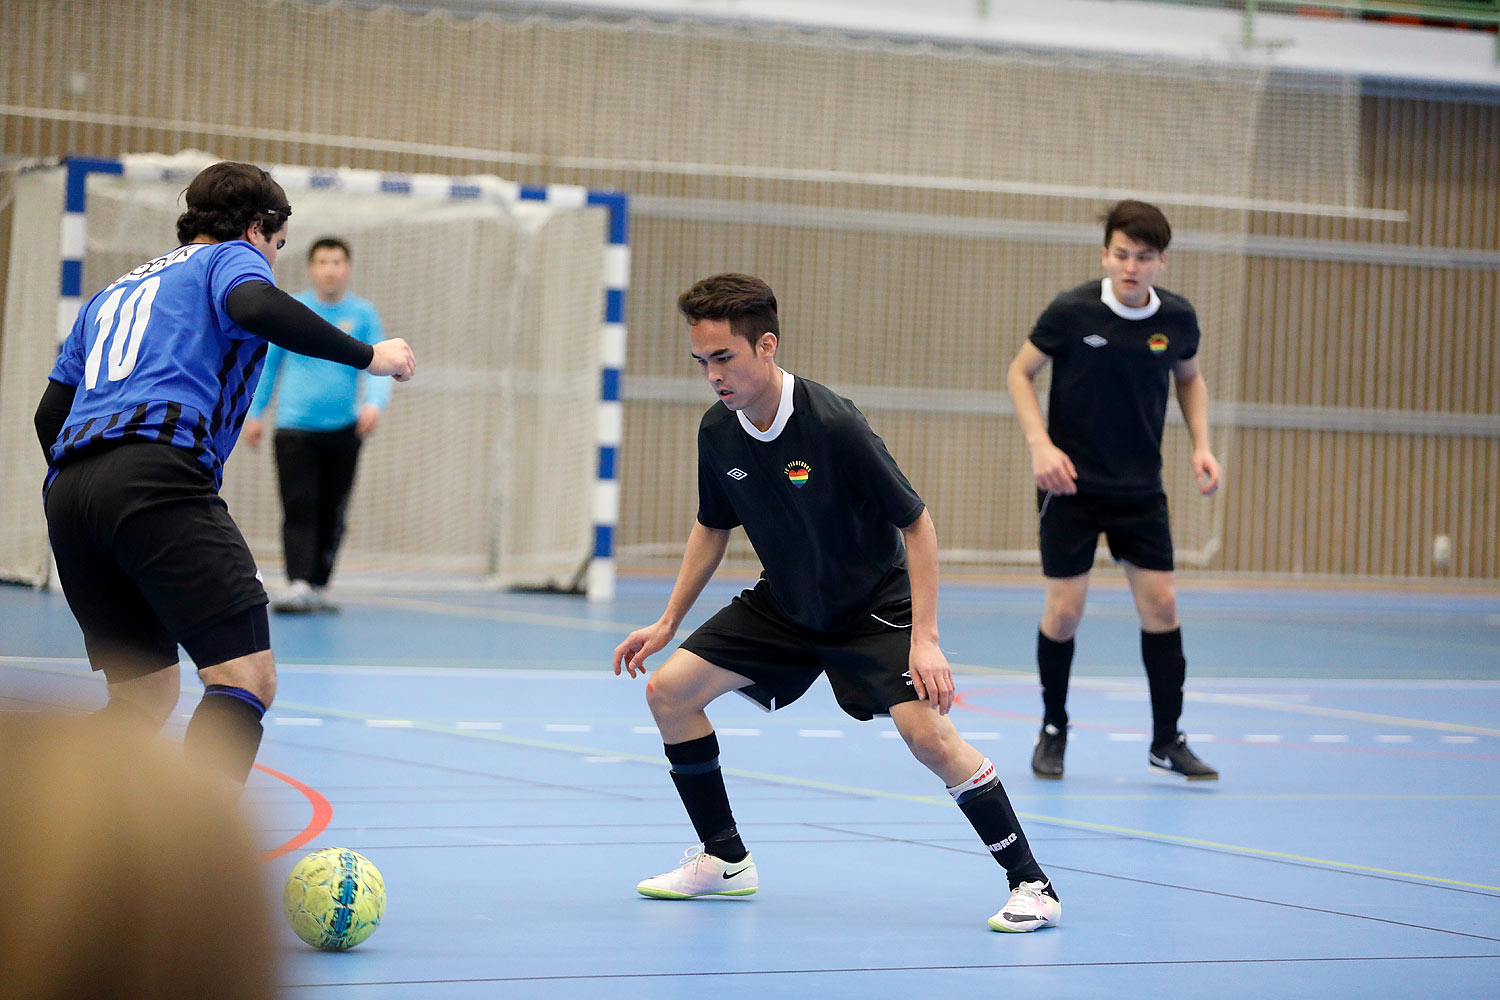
column 1047, row 758
column 1176, row 758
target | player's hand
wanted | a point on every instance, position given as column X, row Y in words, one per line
column 1206, row 471
column 251, row 432
column 394, row 358
column 369, row 419
column 930, row 675
column 1053, row 469
column 640, row 644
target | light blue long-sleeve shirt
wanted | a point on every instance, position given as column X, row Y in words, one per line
column 317, row 395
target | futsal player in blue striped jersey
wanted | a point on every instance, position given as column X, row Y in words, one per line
column 140, row 413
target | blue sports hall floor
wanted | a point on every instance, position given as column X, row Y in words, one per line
column 478, row 749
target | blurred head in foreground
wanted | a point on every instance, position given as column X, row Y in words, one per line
column 125, row 872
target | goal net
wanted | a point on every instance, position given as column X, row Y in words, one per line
column 484, row 467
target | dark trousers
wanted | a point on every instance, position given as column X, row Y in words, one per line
column 316, row 469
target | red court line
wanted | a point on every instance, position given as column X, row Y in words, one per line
column 322, row 813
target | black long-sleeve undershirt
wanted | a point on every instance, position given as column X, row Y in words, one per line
column 273, row 315
column 52, row 413
column 257, row 306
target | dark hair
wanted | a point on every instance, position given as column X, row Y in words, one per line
column 227, row 198
column 1141, row 221
column 747, row 303
column 329, row 243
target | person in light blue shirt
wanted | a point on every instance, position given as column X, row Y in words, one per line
column 323, row 413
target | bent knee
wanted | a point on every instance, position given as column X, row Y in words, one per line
column 255, row 673
column 934, row 744
column 1159, row 611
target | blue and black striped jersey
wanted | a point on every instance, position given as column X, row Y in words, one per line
column 155, row 356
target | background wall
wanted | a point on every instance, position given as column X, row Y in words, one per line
column 915, row 207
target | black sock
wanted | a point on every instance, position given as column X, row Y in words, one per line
column 1166, row 669
column 700, row 783
column 983, row 800
column 1054, row 662
column 225, row 731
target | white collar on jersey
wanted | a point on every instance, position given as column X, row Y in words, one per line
column 1120, row 309
column 783, row 412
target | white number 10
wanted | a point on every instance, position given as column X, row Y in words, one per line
column 127, row 325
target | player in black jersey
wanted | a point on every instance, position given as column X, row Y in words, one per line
column 836, row 526
column 1114, row 346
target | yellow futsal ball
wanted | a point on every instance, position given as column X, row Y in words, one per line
column 334, row 898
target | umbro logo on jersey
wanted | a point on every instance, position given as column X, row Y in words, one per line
column 1094, row 340
column 737, row 474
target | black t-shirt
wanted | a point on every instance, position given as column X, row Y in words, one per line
column 1111, row 372
column 822, row 501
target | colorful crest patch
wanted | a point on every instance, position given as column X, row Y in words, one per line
column 1157, row 342
column 798, row 472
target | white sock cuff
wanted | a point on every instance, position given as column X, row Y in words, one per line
column 976, row 782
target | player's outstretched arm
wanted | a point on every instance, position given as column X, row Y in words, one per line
column 1053, row 469
column 931, row 676
column 704, row 552
column 1192, row 397
column 268, row 312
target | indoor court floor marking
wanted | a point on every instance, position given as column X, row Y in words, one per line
column 53, row 665
column 656, row 759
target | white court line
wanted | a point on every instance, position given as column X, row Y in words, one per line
column 390, row 723
column 976, row 736
column 1459, row 739
column 296, row 720
column 480, row 725
column 821, row 734
column 1337, row 738
column 1393, row 738
column 1202, row 737
column 568, row 727
column 889, row 734
column 1343, row 713
column 494, row 614
column 1262, row 737
column 647, row 730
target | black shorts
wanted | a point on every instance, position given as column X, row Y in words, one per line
column 149, row 557
column 867, row 665
column 1137, row 528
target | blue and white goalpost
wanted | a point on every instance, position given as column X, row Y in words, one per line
column 490, row 280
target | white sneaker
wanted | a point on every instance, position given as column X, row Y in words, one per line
column 1031, row 907
column 297, row 599
column 322, row 603
column 703, row 874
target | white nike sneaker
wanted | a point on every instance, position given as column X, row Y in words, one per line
column 703, row 874
column 1031, row 907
